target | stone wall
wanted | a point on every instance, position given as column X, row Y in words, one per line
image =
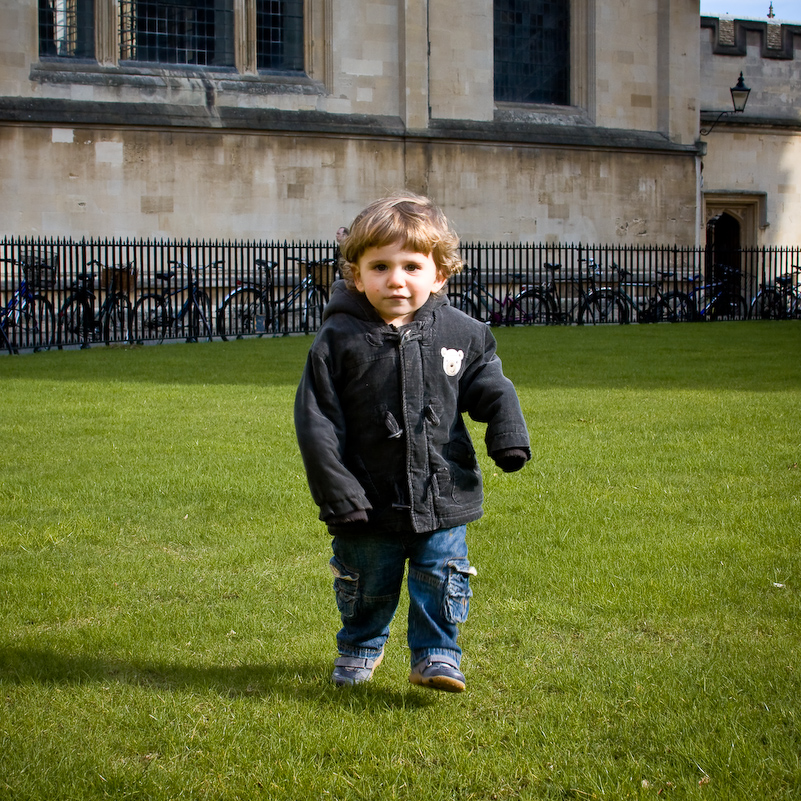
column 397, row 93
column 85, row 181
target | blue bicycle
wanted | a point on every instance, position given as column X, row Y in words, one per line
column 718, row 298
column 27, row 318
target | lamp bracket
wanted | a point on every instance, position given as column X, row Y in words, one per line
column 721, row 115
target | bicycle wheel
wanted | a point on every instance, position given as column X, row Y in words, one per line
column 200, row 320
column 674, row 307
column 794, row 306
column 531, row 308
column 728, row 307
column 313, row 309
column 467, row 305
column 76, row 322
column 151, row 316
column 601, row 307
column 44, row 323
column 33, row 325
column 243, row 314
column 5, row 342
column 117, row 320
column 765, row 306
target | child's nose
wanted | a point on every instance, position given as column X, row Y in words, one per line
column 397, row 277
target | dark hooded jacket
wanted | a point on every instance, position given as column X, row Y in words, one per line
column 378, row 415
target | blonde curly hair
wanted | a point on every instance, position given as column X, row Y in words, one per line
column 410, row 219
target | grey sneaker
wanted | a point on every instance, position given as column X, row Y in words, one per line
column 438, row 673
column 354, row 669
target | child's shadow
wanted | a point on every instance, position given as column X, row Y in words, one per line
column 309, row 680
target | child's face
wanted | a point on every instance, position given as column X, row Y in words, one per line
column 397, row 281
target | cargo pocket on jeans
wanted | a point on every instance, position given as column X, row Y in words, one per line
column 457, row 590
column 346, row 587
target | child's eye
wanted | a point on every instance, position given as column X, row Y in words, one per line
column 411, row 267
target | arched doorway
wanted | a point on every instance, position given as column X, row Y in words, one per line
column 723, row 242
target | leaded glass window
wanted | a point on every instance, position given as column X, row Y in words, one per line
column 198, row 32
column 67, row 28
column 532, row 51
column 279, row 35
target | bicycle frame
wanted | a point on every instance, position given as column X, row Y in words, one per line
column 21, row 296
column 658, row 305
column 196, row 306
column 6, row 341
column 307, row 297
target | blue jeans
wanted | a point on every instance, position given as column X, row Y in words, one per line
column 368, row 576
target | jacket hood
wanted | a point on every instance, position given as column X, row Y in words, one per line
column 349, row 301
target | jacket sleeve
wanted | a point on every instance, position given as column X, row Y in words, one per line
column 488, row 396
column 320, row 429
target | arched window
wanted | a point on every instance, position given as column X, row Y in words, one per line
column 532, row 51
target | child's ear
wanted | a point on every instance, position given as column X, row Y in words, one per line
column 440, row 282
column 357, row 279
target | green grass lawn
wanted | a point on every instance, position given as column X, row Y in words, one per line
column 167, row 618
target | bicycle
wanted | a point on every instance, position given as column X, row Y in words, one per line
column 480, row 303
column 657, row 306
column 598, row 305
column 157, row 314
column 247, row 310
column 28, row 319
column 77, row 321
column 544, row 305
column 252, row 309
column 780, row 301
column 719, row 299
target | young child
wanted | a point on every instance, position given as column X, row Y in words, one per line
column 387, row 454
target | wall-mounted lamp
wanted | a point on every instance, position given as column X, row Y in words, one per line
column 739, row 97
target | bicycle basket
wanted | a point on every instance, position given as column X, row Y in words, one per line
column 120, row 278
column 323, row 273
column 39, row 276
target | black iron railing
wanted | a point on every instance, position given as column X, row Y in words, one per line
column 60, row 292
column 582, row 284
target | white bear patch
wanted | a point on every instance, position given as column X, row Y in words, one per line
column 451, row 360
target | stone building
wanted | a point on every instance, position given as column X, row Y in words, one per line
column 527, row 120
column 752, row 164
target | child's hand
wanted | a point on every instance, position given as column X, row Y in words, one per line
column 510, row 460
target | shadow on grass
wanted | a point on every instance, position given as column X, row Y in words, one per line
column 309, row 680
